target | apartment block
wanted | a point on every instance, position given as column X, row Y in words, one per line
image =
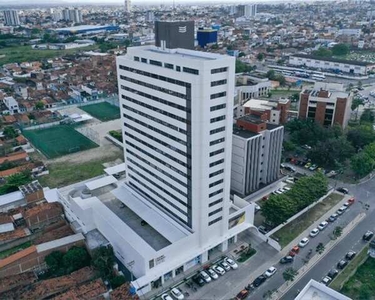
column 326, row 103
column 256, row 154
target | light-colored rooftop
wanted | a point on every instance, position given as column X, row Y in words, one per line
column 6, row 227
column 260, row 104
column 10, row 198
column 101, row 182
column 83, row 27
column 60, row 242
column 115, row 169
column 318, row 291
column 169, row 229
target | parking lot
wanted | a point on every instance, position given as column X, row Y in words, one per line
column 232, row 280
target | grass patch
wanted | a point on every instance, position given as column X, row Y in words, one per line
column 13, row 250
column 344, row 275
column 283, row 93
column 102, row 111
column 290, row 231
column 18, row 54
column 362, row 284
column 58, row 140
column 62, row 174
column 246, row 255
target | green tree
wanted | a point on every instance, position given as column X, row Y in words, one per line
column 323, row 52
column 320, row 248
column 76, row 258
column 367, row 117
column 10, row 132
column 242, row 54
column 356, row 103
column 359, row 84
column 103, row 260
column 14, row 181
column 54, row 261
column 289, row 146
column 361, row 136
column 337, row 232
column 260, row 56
column 289, row 274
column 278, row 209
column 362, row 164
column 329, row 152
column 117, row 281
column 340, row 49
column 39, row 105
column 242, row 67
column 294, row 97
column 271, row 74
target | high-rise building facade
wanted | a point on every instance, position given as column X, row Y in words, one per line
column 72, row 15
column 182, row 161
column 174, row 34
column 11, row 18
column 128, row 6
column 256, row 154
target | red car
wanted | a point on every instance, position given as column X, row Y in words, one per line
column 242, row 295
column 294, row 251
column 351, row 200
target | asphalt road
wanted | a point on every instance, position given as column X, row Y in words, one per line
column 365, row 194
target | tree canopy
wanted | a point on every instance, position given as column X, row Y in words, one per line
column 323, row 52
column 103, row 260
column 340, row 49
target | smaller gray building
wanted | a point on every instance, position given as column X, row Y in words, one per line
column 256, row 154
column 174, row 34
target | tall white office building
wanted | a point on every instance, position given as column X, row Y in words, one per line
column 11, row 18
column 172, row 212
column 128, row 6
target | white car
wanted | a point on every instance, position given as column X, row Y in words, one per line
column 166, row 297
column 287, row 188
column 177, row 294
column 303, row 242
column 212, row 273
column 219, row 270
column 322, row 225
column 232, row 263
column 270, row 272
column 342, row 209
column 290, row 180
column 205, row 276
column 314, row 232
column 326, row 280
column 225, row 265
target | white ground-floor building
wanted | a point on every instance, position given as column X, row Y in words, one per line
column 153, row 248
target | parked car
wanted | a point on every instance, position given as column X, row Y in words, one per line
column 368, row 235
column 270, row 272
column 290, row 169
column 262, row 229
column 294, row 251
column 308, row 165
column 231, row 262
column 278, row 192
column 286, row 259
column 303, row 242
column 332, row 218
column 166, row 297
column 198, row 280
column 259, row 280
column 225, row 266
column 177, row 294
column 290, row 181
column 242, row 295
column 342, row 264
column 205, row 276
column 333, row 273
column 331, row 174
column 350, row 202
column 314, row 232
column 350, row 255
column 322, row 225
column 343, row 190
column 341, row 210
column 212, row 273
column 256, row 208
column 326, row 280
column 219, row 270
column 307, row 147
column 313, row 167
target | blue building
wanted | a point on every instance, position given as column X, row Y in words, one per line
column 206, row 36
